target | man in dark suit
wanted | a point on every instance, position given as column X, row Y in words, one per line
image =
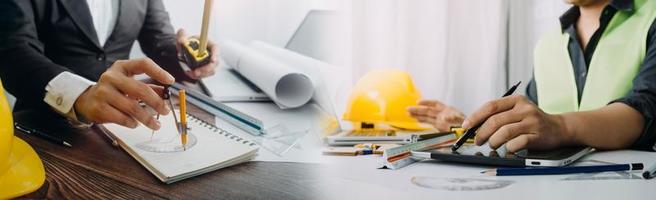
column 70, row 57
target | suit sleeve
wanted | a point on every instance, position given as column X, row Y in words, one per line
column 24, row 69
column 158, row 40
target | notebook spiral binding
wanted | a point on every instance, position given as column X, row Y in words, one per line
column 220, row 131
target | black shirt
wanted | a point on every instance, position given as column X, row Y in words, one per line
column 642, row 96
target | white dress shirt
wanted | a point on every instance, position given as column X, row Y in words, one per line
column 63, row 90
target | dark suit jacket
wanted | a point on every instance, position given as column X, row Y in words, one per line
column 41, row 38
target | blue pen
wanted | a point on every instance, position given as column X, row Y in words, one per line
column 562, row 170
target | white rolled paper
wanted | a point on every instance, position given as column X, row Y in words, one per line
column 311, row 67
column 286, row 86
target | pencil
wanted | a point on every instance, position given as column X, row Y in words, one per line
column 183, row 118
column 562, row 170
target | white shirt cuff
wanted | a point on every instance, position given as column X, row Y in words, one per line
column 64, row 89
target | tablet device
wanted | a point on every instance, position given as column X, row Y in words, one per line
column 484, row 155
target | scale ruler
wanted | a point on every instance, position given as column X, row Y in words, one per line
column 398, row 157
column 235, row 117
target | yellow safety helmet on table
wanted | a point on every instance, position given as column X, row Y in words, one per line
column 21, row 170
column 382, row 97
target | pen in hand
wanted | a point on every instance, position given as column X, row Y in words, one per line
column 472, row 131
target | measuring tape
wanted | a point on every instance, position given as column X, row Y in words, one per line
column 195, row 52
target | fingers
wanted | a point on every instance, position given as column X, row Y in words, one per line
column 507, row 133
column 131, row 108
column 147, row 66
column 455, row 118
column 489, row 109
column 495, row 122
column 427, row 108
column 208, row 69
column 136, row 90
column 214, row 50
column 431, row 103
column 425, row 119
column 158, row 89
column 423, row 111
column 111, row 114
column 437, row 114
column 203, row 71
column 144, row 93
column 521, row 142
column 181, row 36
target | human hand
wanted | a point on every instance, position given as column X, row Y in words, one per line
column 205, row 70
column 519, row 124
column 433, row 112
column 115, row 98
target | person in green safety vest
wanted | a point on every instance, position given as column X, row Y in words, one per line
column 594, row 85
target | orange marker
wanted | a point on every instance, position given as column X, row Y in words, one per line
column 183, row 118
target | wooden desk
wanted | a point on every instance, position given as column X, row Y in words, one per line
column 94, row 169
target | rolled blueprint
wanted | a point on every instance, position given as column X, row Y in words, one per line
column 311, row 67
column 286, row 86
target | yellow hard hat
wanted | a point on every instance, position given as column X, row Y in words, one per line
column 383, row 96
column 21, row 170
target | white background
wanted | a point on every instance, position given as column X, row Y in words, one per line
column 456, row 50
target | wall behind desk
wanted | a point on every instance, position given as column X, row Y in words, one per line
column 272, row 21
column 463, row 52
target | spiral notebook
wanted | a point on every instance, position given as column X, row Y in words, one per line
column 214, row 148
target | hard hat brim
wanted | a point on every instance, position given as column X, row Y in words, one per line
column 25, row 174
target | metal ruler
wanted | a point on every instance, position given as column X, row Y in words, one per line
column 239, row 119
column 398, row 157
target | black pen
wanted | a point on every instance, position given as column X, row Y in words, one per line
column 472, row 131
column 42, row 135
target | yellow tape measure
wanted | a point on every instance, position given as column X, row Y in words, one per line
column 193, row 56
column 196, row 53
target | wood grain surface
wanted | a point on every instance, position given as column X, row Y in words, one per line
column 94, row 169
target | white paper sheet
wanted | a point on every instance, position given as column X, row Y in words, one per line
column 213, row 151
column 286, row 86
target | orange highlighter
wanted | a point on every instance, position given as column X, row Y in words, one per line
column 183, row 118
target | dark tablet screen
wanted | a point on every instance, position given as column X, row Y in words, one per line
column 485, row 155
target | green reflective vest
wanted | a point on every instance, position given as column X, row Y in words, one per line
column 614, row 65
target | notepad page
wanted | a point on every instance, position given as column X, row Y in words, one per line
column 213, row 150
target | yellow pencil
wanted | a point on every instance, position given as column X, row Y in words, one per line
column 183, row 118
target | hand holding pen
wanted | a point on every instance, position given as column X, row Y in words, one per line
column 519, row 124
column 471, row 131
